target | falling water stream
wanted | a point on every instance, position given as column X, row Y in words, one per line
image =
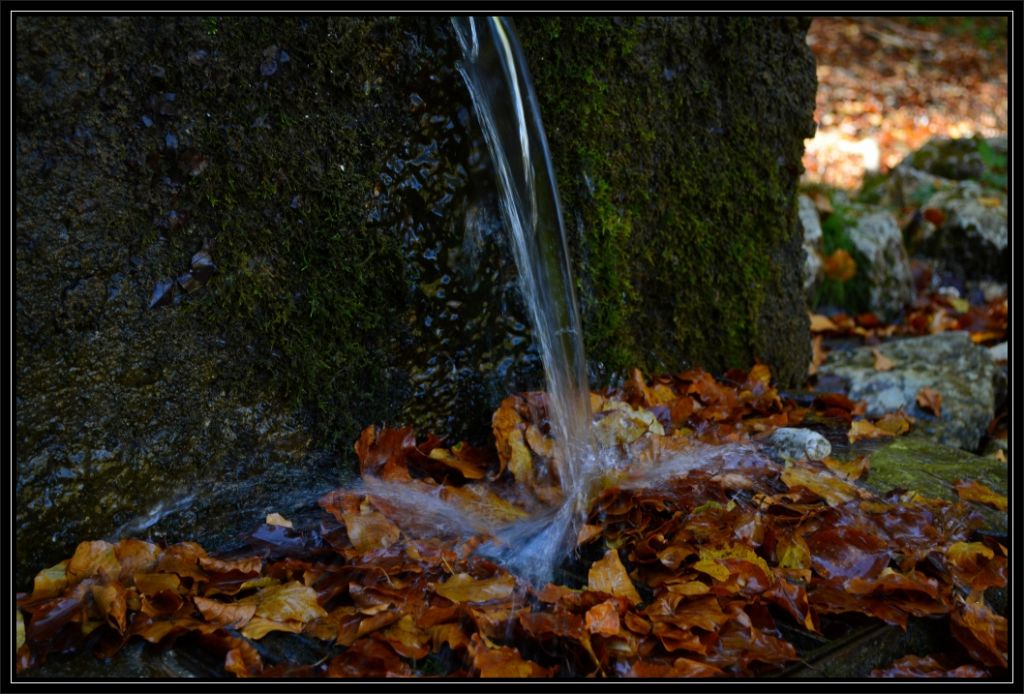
column 505, row 105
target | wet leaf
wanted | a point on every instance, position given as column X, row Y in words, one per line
column 849, row 469
column 464, row 588
column 94, row 558
column 135, row 556
column 407, row 639
column 603, row 619
column 384, row 453
column 111, row 603
column 50, row 582
column 502, row 661
column 678, row 668
column 234, row 615
column 822, row 324
column 153, row 583
column 368, row 529
column 917, row 667
column 826, row 485
column 249, row 565
column 608, row 575
column 981, row 631
column 973, row 490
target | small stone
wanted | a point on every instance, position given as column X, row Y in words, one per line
column 171, row 140
column 202, row 266
column 998, row 353
column 800, row 444
column 162, row 294
column 147, row 121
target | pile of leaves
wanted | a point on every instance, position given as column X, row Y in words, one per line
column 678, row 571
column 887, row 85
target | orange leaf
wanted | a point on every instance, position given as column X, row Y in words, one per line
column 93, row 559
column 829, row 487
column 930, row 400
column 976, row 491
column 110, row 601
column 981, row 631
column 895, row 423
column 603, row 619
column 818, row 354
column 839, row 266
column 850, row 469
column 368, row 529
column 608, row 575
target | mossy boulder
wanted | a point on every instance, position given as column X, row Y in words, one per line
column 332, row 172
column 916, row 463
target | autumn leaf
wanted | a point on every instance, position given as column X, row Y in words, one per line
column 882, row 362
column 278, row 519
column 973, row 490
column 368, row 529
column 849, row 469
column 503, row 661
column 980, row 630
column 917, row 667
column 603, row 619
column 464, row 588
column 608, row 575
column 839, row 266
column 822, row 324
column 930, row 400
column 50, row 582
column 94, row 558
column 234, row 615
column 829, row 487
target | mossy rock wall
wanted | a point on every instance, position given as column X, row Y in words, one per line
column 333, row 171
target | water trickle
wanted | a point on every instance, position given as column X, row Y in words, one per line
column 506, row 107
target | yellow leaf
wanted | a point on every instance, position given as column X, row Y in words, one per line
column 822, row 324
column 20, row 635
column 829, row 487
column 51, row 582
column 712, row 568
column 369, row 530
column 278, row 519
column 464, row 588
column 794, row 553
column 974, row 490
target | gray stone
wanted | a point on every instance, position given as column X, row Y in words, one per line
column 962, row 372
column 972, row 241
column 800, row 444
column 876, row 235
column 810, row 222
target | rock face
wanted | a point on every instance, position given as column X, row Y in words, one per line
column 877, row 237
column 962, row 372
column 810, row 222
column 973, row 239
column 355, row 270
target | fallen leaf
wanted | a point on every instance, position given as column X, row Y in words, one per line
column 973, row 490
column 917, row 667
column 849, row 469
column 279, row 520
column 234, row 615
column 882, row 362
column 94, row 558
column 110, row 601
column 503, row 661
column 51, row 582
column 603, row 619
column 829, row 487
column 931, row 400
column 464, row 588
column 980, row 630
column 839, row 266
column 608, row 575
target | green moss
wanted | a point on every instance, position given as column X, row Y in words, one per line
column 677, row 229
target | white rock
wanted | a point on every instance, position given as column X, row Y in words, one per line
column 800, row 443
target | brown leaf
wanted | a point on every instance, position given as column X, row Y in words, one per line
column 135, row 556
column 973, row 490
column 849, row 469
column 818, row 354
column 249, row 565
column 503, row 661
column 94, row 558
column 368, row 529
column 234, row 615
column 111, row 603
column 931, row 400
column 608, row 575
column 407, row 639
column 981, row 631
column 917, row 667
column 464, row 588
column 153, row 583
column 882, row 362
column 895, row 423
column 678, row 668
column 384, row 453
